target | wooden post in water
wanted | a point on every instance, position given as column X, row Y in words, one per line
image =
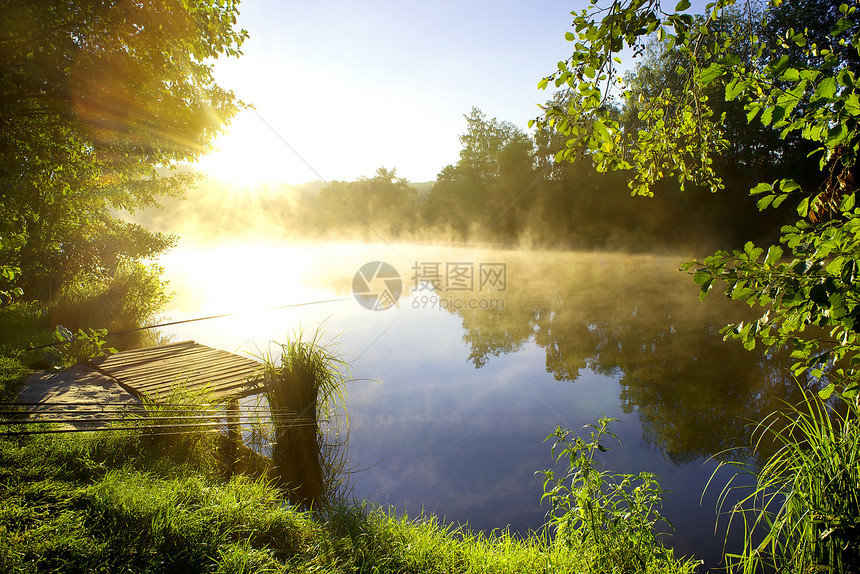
column 234, row 433
column 296, row 452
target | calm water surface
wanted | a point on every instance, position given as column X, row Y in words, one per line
column 460, row 387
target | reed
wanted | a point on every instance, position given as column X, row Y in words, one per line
column 803, row 514
column 306, row 379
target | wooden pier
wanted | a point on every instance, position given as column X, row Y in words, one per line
column 154, row 372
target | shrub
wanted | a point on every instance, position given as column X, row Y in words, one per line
column 131, row 297
column 614, row 516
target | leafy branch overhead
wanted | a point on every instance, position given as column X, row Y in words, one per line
column 790, row 70
column 99, row 101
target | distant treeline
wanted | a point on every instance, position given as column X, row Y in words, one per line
column 505, row 188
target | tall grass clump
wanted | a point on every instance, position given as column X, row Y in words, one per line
column 803, row 514
column 167, row 440
column 12, row 374
column 305, row 382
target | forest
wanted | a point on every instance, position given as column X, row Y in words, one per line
column 505, row 189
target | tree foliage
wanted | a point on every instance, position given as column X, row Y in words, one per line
column 791, row 69
column 98, row 101
column 482, row 190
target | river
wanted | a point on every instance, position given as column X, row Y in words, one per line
column 457, row 388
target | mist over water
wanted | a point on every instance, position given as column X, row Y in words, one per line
column 458, row 388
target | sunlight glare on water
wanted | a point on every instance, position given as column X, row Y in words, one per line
column 451, row 404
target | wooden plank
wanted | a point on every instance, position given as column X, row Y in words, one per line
column 158, row 371
column 144, row 380
column 167, row 367
column 117, row 363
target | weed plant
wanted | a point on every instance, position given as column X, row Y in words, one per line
column 165, row 441
column 129, row 298
column 89, row 307
column 74, row 348
column 12, row 374
column 23, row 324
column 612, row 518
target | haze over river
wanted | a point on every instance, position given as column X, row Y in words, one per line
column 459, row 387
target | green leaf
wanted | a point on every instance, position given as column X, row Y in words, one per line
column 849, row 271
column 826, row 89
column 777, row 67
column 774, row 254
column 682, row 5
column 710, row 73
column 791, row 74
column 826, row 391
column 701, row 276
column 840, row 27
column 764, row 202
column 600, row 130
column 736, row 88
column 788, row 186
column 753, row 112
column 852, row 104
column 761, row 188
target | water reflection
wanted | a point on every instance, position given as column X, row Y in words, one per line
column 637, row 319
column 306, row 457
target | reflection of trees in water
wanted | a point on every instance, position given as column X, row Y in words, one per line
column 490, row 333
column 637, row 319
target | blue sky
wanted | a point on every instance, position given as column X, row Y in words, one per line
column 352, row 86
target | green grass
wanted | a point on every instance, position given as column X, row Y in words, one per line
column 12, row 373
column 803, row 515
column 98, row 503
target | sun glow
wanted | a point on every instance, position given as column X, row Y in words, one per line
column 254, row 283
column 250, row 154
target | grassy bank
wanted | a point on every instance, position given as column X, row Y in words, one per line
column 107, row 504
column 111, row 501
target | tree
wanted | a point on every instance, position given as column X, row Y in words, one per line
column 800, row 88
column 99, row 102
column 801, row 81
column 485, row 187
